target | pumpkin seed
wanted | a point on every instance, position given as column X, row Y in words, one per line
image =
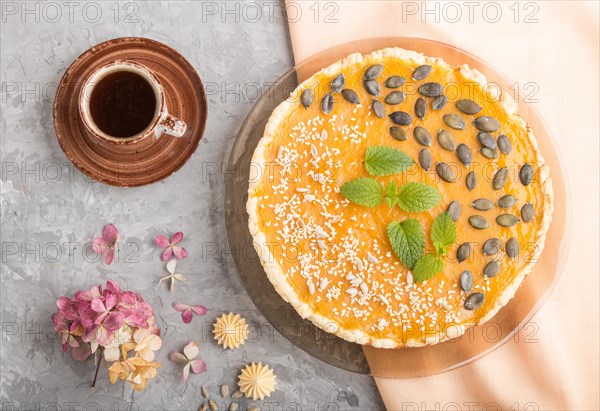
column 378, row 109
column 491, row 269
column 445, row 172
column 307, row 98
column 422, row 136
column 487, row 123
column 372, row 87
column 526, row 174
column 421, row 72
column 395, row 97
column 504, row 144
column 204, row 392
column 468, row 106
column 327, row 103
column 500, row 178
column 492, row 154
column 471, row 180
column 425, row 159
column 474, row 301
column 482, row 204
column 439, row 102
column 350, row 96
column 431, row 89
column 506, row 201
column 401, row 117
column 454, row 210
column 486, row 140
column 398, row 133
column 237, row 394
column 478, row 222
column 394, row 81
column 203, row 407
column 233, row 406
column 463, row 152
column 512, row 248
column 454, row 121
column 527, row 212
column 446, row 140
column 213, row 405
column 373, row 72
column 253, row 408
column 492, row 246
column 338, row 83
column 507, row 220
column 224, row 390
column 463, row 252
column 420, row 108
column 466, row 281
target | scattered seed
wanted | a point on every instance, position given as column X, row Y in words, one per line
column 213, row 405
column 253, row 408
column 400, row 117
column 504, row 144
column 350, row 96
column 420, row 108
column 478, row 222
column 445, row 172
column 486, row 140
column 233, row 406
column 463, row 152
column 425, row 159
column 471, row 180
column 474, row 301
column 439, row 102
column 421, row 72
column 492, row 246
column 338, row 83
column 463, row 252
column 527, row 212
column 487, row 123
column 500, row 178
column 398, row 133
column 468, row 106
column 454, row 210
column 526, row 174
column 372, row 87
column 482, row 204
column 431, row 89
column 466, row 281
column 394, row 81
column 491, row 269
column 307, row 98
column 507, row 220
column 492, row 154
column 506, row 201
column 454, row 121
column 224, row 390
column 237, row 394
column 373, row 72
column 512, row 248
column 395, row 97
column 446, row 140
column 378, row 109
column 204, row 392
column 203, row 407
column 327, row 103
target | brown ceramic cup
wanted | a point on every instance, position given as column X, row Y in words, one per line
column 161, row 122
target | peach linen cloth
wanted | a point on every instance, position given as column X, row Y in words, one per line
column 560, row 53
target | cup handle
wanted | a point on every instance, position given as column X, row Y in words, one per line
column 170, row 125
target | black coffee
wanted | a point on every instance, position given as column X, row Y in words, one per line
column 122, row 104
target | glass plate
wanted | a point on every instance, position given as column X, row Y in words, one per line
column 404, row 362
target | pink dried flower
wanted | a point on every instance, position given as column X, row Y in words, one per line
column 105, row 245
column 187, row 311
column 190, row 351
column 171, row 247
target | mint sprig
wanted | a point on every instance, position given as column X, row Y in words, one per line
column 385, row 161
column 408, row 240
column 363, row 191
column 417, row 197
column 443, row 233
column 428, row 266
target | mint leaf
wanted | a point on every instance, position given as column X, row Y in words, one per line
column 408, row 240
column 443, row 233
column 392, row 189
column 384, row 161
column 427, row 267
column 364, row 191
column 415, row 197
